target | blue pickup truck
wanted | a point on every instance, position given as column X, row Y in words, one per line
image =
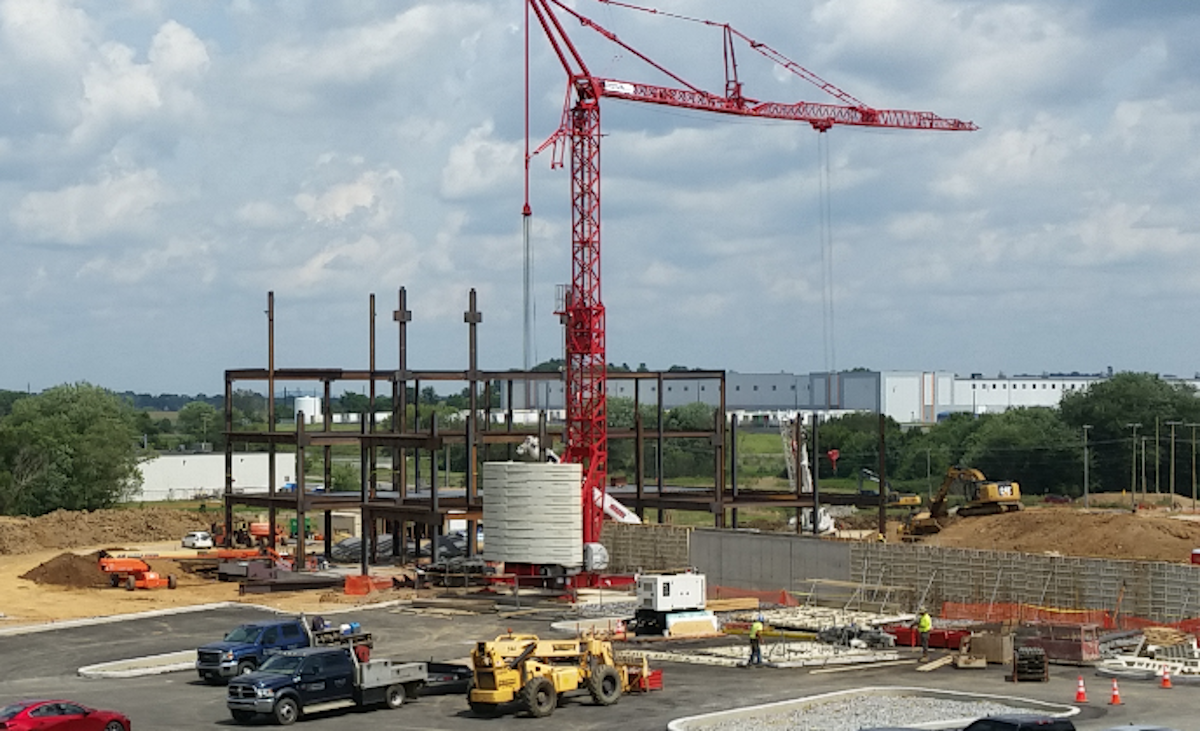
column 295, row 682
column 249, row 645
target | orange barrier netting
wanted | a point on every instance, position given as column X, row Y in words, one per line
column 776, row 596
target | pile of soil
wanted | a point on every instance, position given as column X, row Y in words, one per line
column 1116, row 535
column 70, row 570
column 73, row 529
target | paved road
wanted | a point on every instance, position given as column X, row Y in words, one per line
column 44, row 664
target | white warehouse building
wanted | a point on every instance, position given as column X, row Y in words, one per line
column 908, row 397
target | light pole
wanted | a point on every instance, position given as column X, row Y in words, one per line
column 1173, row 424
column 1133, row 467
column 1086, row 428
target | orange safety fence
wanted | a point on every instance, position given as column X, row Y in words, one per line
column 1007, row 611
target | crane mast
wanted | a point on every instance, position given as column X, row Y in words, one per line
column 582, row 307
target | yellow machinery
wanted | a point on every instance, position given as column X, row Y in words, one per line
column 535, row 673
column 984, row 497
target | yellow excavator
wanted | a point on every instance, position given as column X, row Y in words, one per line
column 984, row 497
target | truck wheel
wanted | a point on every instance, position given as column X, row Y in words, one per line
column 604, row 685
column 286, row 712
column 114, row 580
column 130, row 583
column 171, row 584
column 394, row 696
column 243, row 716
column 538, row 697
column 245, row 667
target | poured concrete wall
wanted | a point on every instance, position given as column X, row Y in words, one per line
column 646, row 547
column 767, row 561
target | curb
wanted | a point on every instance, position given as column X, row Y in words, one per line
column 171, row 663
column 109, row 619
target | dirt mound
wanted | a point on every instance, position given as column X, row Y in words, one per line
column 74, row 529
column 1117, row 535
column 70, row 569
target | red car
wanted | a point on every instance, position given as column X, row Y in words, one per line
column 60, row 716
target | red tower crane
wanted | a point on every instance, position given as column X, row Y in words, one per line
column 582, row 308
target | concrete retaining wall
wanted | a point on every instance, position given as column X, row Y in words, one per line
column 1161, row 591
column 767, row 561
column 646, row 547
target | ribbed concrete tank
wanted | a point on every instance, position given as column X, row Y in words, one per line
column 532, row 513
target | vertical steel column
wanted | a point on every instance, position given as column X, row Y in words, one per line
column 374, row 466
column 327, row 453
column 271, row 415
column 587, row 418
column 228, row 513
column 658, row 455
column 402, row 316
column 639, row 457
column 472, row 317
column 301, row 535
column 367, row 532
column 733, row 468
column 720, row 456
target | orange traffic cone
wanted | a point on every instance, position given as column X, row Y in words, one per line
column 1080, row 692
column 1166, row 678
column 1116, row 695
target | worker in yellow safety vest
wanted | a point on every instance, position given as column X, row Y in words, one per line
column 756, row 629
column 924, row 624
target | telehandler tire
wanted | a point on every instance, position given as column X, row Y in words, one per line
column 604, row 685
column 538, row 697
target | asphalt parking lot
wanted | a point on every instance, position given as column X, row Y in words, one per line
column 44, row 664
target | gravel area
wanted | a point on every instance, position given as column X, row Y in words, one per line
column 863, row 712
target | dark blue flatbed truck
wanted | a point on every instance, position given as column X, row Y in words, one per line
column 295, row 682
column 249, row 645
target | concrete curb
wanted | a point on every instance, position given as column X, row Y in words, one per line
column 170, row 662
column 109, row 619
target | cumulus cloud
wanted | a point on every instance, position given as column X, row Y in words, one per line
column 80, row 214
column 480, row 165
column 368, row 194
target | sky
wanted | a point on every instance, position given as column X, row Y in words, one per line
column 164, row 164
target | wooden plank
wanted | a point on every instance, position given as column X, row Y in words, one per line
column 863, row 666
column 940, row 662
column 732, row 605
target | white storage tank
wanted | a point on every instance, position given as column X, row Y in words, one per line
column 532, row 513
column 311, row 406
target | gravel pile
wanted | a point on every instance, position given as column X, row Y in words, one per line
column 607, row 609
column 852, row 714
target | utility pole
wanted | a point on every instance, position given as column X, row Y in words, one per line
column 1193, row 426
column 1133, row 468
column 1157, row 455
column 1173, row 424
column 1086, row 428
column 1144, row 484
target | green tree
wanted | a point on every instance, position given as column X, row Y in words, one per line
column 199, row 421
column 1111, row 406
column 1032, row 446
column 72, row 446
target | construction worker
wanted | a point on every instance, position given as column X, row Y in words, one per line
column 924, row 624
column 756, row 629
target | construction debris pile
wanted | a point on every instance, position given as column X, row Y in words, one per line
column 70, row 570
column 65, row 529
column 866, row 711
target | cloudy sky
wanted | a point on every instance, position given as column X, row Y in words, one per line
column 164, row 164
